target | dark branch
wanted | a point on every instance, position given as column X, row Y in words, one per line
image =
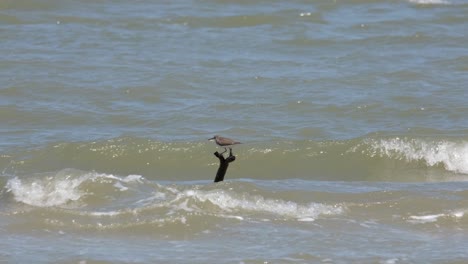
column 223, row 164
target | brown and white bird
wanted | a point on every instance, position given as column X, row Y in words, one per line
column 223, row 142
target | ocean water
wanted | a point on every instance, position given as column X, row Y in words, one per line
column 353, row 117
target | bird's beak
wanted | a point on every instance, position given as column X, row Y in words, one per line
column 211, row 138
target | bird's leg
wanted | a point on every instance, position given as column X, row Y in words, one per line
column 223, row 151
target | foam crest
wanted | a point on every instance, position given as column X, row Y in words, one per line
column 429, row 2
column 63, row 187
column 45, row 193
column 257, row 204
column 452, row 155
column 423, row 219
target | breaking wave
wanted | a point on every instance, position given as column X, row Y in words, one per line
column 100, row 196
column 61, row 188
column 430, row 2
column 452, row 155
column 423, row 219
column 234, row 202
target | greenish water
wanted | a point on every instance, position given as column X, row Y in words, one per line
column 352, row 116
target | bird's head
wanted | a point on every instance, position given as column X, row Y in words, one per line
column 213, row 138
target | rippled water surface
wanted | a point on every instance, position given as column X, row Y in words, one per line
column 353, row 118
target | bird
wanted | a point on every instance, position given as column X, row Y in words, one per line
column 223, row 142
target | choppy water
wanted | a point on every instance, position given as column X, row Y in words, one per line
column 353, row 116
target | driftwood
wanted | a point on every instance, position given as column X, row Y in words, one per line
column 223, row 164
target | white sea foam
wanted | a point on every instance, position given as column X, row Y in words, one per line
column 129, row 178
column 120, row 181
column 99, row 214
column 61, row 187
column 452, row 155
column 231, row 202
column 133, row 178
column 425, row 218
column 45, row 192
column 119, row 186
column 429, row 2
column 263, row 151
column 422, row 219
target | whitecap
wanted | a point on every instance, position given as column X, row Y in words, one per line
column 99, row 214
column 133, row 178
column 425, row 218
column 232, row 202
column 119, row 186
column 430, row 2
column 61, row 187
column 422, row 219
column 45, row 192
column 452, row 155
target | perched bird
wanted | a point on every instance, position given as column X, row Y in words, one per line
column 223, row 142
